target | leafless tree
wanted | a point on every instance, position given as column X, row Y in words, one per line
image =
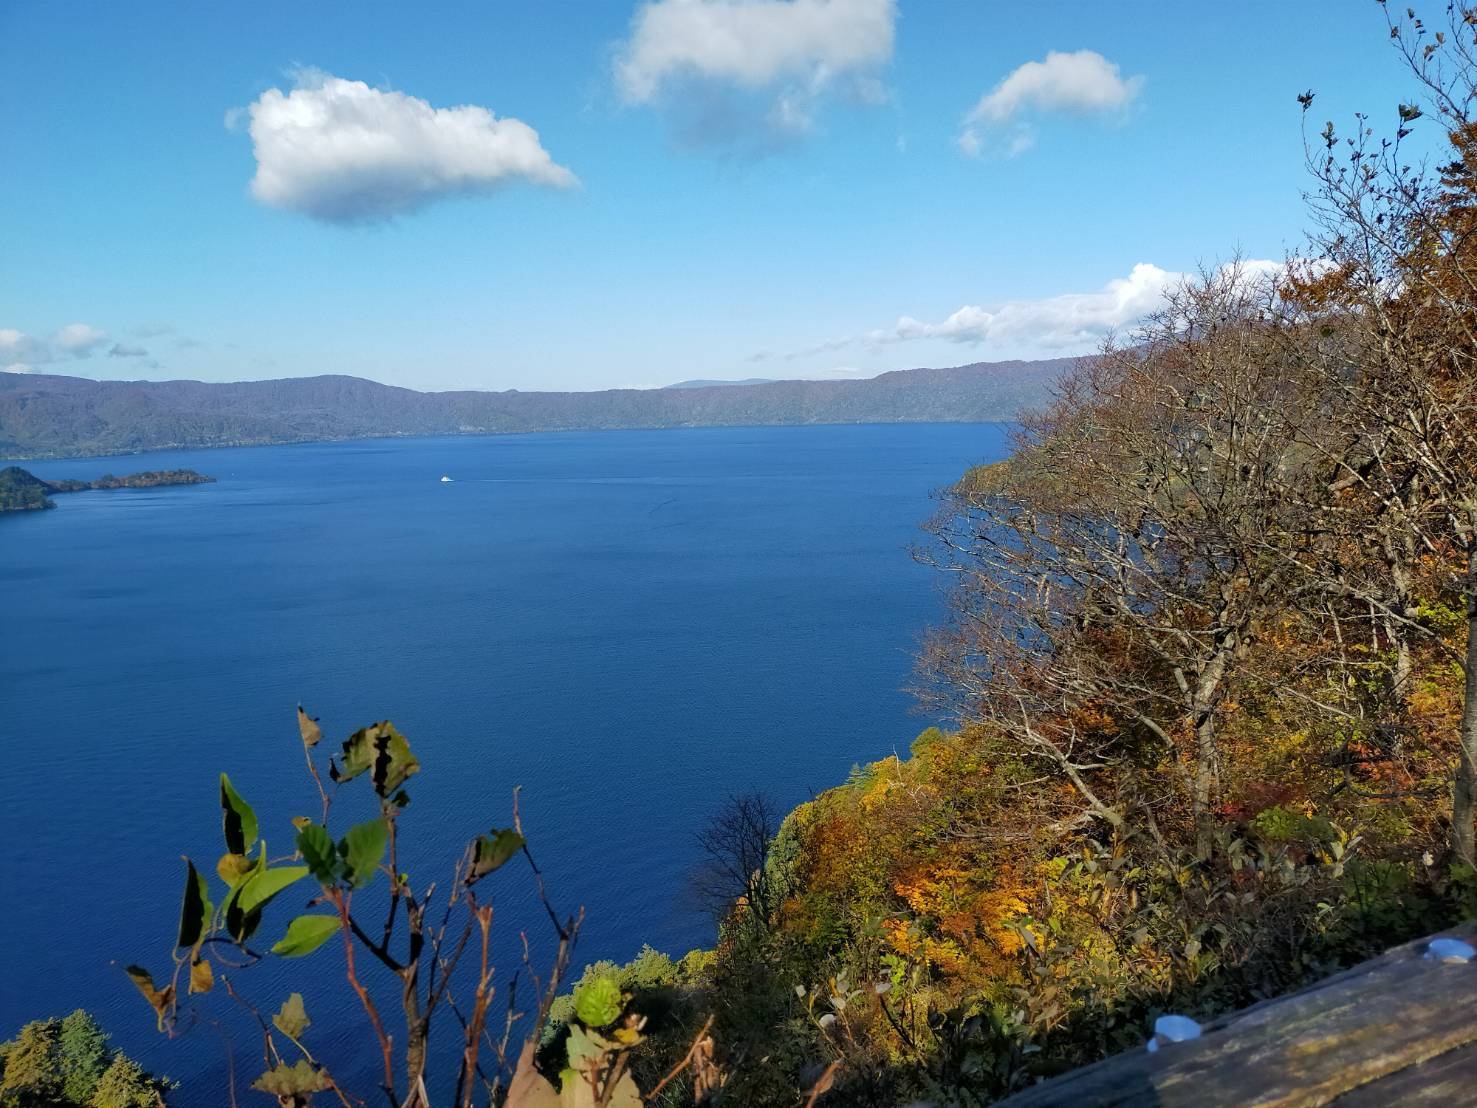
column 1392, row 301
column 1111, row 581
column 734, row 845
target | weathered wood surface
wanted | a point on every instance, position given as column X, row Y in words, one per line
column 1397, row 1029
column 1441, row 1082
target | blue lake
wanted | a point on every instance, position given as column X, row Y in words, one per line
column 629, row 625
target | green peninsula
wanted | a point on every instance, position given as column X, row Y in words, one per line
column 22, row 491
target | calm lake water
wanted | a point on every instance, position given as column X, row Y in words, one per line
column 629, row 625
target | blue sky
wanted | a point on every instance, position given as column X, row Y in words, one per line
column 717, row 188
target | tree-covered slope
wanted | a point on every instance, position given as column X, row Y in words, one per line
column 22, row 491
column 48, row 416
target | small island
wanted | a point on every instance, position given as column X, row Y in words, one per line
column 22, row 491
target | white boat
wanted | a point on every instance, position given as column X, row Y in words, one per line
column 446, row 480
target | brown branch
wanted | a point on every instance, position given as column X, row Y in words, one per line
column 386, row 1043
column 682, row 1065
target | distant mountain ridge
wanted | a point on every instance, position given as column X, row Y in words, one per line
column 44, row 416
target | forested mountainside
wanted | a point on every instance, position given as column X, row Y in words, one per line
column 49, row 416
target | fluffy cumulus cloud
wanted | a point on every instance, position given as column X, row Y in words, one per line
column 1074, row 319
column 1079, row 83
column 343, row 152
column 737, row 68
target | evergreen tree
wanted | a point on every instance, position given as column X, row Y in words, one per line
column 32, row 1075
column 84, row 1056
column 124, row 1084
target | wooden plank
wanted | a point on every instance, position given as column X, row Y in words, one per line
column 1446, row 1081
column 1379, row 1018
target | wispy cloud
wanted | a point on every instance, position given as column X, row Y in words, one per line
column 342, row 152
column 78, row 340
column 21, row 352
column 1080, row 83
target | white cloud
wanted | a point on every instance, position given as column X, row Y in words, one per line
column 784, row 55
column 18, row 346
column 127, row 350
column 1073, row 319
column 1071, row 322
column 1080, row 83
column 343, row 152
column 75, row 340
column 19, row 367
column 78, row 340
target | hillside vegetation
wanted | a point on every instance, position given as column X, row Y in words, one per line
column 46, row 417
column 21, row 490
column 1212, row 665
column 1213, row 659
column 66, row 1063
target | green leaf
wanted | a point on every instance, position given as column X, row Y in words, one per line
column 240, row 820
column 383, row 751
column 195, row 908
column 362, row 849
column 264, row 885
column 599, row 1002
column 316, row 846
column 308, row 727
column 292, row 1084
column 306, row 934
column 490, row 852
column 243, row 925
column 240, row 923
column 292, row 1018
column 589, row 1062
column 582, row 1053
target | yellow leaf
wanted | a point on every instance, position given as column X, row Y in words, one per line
column 308, row 727
column 232, row 867
column 202, row 977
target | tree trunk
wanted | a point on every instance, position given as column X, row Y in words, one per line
column 1464, row 792
column 1205, row 699
column 1396, row 631
column 417, row 1031
column 1205, row 756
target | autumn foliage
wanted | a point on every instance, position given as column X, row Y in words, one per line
column 1211, row 671
column 1212, row 662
